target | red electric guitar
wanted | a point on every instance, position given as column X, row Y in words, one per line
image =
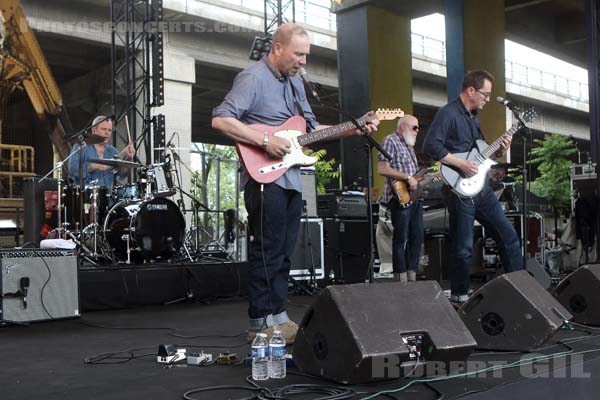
column 264, row 169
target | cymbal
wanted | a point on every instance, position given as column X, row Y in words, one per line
column 90, row 138
column 116, row 163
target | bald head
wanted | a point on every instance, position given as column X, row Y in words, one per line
column 290, row 48
column 285, row 32
column 408, row 121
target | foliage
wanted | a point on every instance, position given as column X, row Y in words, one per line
column 206, row 185
column 324, row 170
column 552, row 159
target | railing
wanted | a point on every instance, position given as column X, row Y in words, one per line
column 546, row 81
column 435, row 49
column 427, row 47
column 310, row 12
column 15, row 162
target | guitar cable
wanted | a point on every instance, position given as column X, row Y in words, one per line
column 262, row 249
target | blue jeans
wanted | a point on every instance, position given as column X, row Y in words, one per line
column 408, row 235
column 485, row 208
column 273, row 224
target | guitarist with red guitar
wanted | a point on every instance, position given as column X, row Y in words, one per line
column 406, row 211
column 267, row 114
column 455, row 138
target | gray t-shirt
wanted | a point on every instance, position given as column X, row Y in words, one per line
column 261, row 95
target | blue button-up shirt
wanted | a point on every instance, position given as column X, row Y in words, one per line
column 453, row 130
column 403, row 160
column 261, row 95
column 105, row 178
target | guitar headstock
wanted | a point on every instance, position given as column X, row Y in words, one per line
column 530, row 114
column 383, row 114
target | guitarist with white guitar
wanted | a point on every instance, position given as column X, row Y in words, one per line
column 450, row 139
column 266, row 112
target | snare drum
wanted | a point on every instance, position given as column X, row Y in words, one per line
column 154, row 228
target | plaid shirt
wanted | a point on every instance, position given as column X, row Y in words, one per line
column 403, row 160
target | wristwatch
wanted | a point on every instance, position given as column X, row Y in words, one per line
column 265, row 140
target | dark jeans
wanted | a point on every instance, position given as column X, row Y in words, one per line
column 408, row 235
column 485, row 208
column 274, row 220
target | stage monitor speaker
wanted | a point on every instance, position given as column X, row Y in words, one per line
column 38, row 285
column 578, row 292
column 513, row 312
column 368, row 332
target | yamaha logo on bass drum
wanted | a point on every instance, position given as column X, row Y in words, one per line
column 157, row 207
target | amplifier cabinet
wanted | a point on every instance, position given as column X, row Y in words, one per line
column 38, row 285
column 308, row 253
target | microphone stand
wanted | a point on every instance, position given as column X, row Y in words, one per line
column 369, row 144
column 525, row 133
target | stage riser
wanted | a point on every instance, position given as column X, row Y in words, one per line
column 102, row 289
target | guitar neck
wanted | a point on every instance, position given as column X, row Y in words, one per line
column 329, row 133
column 497, row 144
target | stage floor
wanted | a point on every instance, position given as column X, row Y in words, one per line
column 46, row 360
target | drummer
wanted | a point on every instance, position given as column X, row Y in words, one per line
column 104, row 174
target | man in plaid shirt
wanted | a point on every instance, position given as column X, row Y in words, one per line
column 407, row 220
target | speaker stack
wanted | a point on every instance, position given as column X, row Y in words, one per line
column 352, row 333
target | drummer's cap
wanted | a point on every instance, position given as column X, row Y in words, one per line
column 99, row 119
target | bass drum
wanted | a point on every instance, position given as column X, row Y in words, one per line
column 154, row 228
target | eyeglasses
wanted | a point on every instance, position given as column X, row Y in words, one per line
column 486, row 95
column 415, row 128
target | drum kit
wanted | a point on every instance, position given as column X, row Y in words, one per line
column 130, row 223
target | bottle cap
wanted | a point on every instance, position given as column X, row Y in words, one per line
column 261, row 334
column 276, row 332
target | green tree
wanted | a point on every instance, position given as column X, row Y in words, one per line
column 552, row 157
column 324, row 170
column 212, row 156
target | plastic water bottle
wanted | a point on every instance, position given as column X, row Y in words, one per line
column 277, row 359
column 260, row 357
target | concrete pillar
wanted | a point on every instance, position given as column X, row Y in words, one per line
column 482, row 29
column 375, row 71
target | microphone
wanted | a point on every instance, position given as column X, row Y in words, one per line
column 309, row 84
column 24, row 285
column 509, row 104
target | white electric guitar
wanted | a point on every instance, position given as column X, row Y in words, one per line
column 482, row 154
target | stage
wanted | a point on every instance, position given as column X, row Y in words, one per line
column 48, row 359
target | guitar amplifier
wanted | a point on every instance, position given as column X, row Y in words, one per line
column 308, row 257
column 38, row 285
column 309, row 191
column 334, row 205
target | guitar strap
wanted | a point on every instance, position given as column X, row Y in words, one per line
column 299, row 108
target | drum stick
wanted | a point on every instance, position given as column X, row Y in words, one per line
column 128, row 131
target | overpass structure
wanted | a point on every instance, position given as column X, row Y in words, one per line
column 208, row 41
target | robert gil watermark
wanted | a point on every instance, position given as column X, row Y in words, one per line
column 528, row 365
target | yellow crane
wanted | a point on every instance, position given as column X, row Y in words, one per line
column 23, row 66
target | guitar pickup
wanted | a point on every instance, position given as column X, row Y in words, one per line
column 271, row 168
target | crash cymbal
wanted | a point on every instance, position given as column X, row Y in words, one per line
column 116, row 163
column 90, row 138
